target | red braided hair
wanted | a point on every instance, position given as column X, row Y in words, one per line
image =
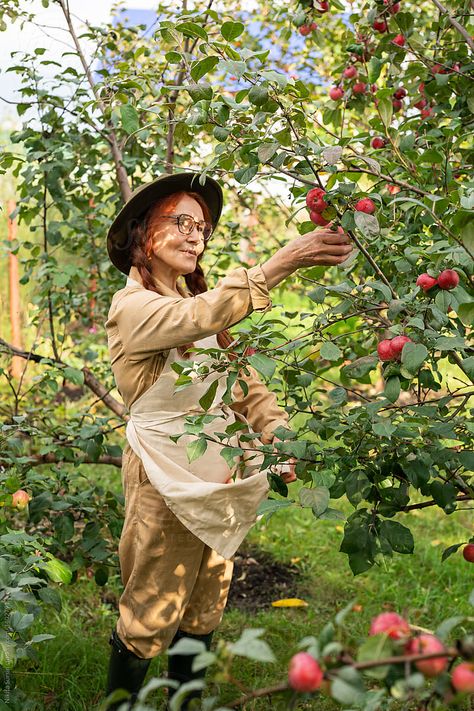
column 142, row 235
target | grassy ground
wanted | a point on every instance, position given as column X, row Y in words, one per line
column 71, row 671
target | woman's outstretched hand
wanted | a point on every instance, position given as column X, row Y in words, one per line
column 322, row 247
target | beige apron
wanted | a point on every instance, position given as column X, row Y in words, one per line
column 217, row 513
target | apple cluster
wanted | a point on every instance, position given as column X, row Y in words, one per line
column 391, row 348
column 316, row 205
column 397, row 628
column 446, row 280
column 305, row 674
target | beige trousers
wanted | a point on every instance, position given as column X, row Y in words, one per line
column 171, row 578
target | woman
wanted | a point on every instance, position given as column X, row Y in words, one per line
column 184, row 520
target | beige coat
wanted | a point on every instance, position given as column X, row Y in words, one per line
column 144, row 329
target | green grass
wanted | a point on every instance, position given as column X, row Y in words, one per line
column 71, row 670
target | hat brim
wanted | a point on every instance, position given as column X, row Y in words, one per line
column 119, row 238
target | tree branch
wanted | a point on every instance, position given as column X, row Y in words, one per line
column 122, row 176
column 89, row 379
column 462, row 30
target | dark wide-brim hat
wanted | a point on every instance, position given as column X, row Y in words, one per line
column 119, row 239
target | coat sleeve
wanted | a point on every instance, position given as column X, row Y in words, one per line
column 148, row 322
column 259, row 406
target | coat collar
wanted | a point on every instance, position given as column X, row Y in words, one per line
column 134, row 278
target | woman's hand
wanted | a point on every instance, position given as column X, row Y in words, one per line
column 323, row 247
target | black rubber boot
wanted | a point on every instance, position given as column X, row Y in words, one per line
column 180, row 665
column 126, row 671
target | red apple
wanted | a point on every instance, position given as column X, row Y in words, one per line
column 426, row 282
column 336, row 93
column 384, row 350
column 437, row 69
column 313, row 196
column 393, row 8
column 380, row 25
column 365, row 205
column 304, row 673
column 448, row 279
column 393, row 189
column 399, row 40
column 20, row 499
column 400, row 93
column 389, row 623
column 468, row 552
column 305, row 30
column 426, row 113
column 359, row 87
column 428, row 644
column 462, row 678
column 397, row 104
column 323, row 6
column 318, row 219
column 319, row 205
column 397, row 344
column 378, row 142
column 420, row 104
column 350, row 72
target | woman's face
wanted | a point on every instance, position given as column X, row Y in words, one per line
column 172, row 253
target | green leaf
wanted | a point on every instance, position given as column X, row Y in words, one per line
column 232, row 30
column 269, row 506
column 466, row 313
column 57, row 571
column 317, row 499
column 392, row 388
column 203, row 66
column 374, row 649
column 208, row 398
column 384, row 428
column 444, row 493
column 191, row 29
column 4, row 573
column 413, row 356
column 75, row 375
column 449, row 343
column 338, row 396
column 7, row 651
column 360, row 368
column 374, row 68
column 231, row 455
column 367, row 224
column 386, row 111
column 266, row 151
column 251, row 647
column 196, row 449
column 450, row 550
column 399, row 536
column 263, row 364
column 348, row 688
column 258, row 95
column 245, row 175
column 232, row 67
column 129, row 116
column 329, row 351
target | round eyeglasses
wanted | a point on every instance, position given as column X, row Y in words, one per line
column 187, row 223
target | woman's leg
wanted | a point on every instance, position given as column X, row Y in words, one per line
column 202, row 615
column 160, row 561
